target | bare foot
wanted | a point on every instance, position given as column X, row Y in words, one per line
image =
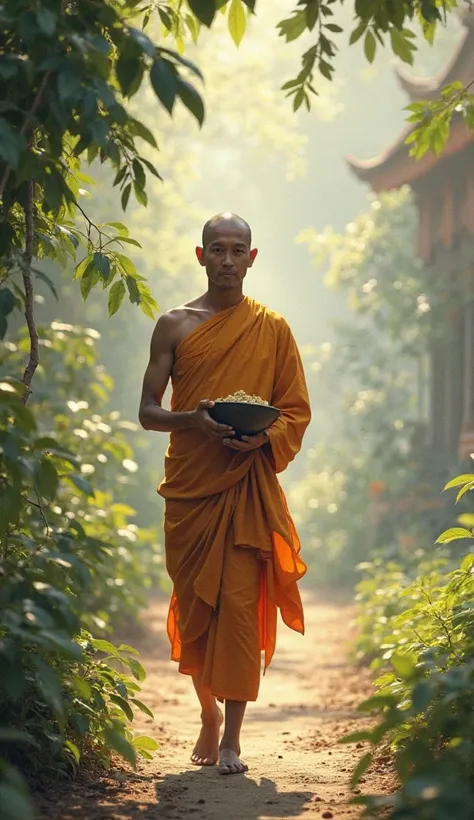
column 206, row 750
column 230, row 762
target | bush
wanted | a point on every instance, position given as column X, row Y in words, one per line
column 423, row 645
column 70, row 562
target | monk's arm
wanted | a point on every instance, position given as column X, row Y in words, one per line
column 152, row 415
column 290, row 395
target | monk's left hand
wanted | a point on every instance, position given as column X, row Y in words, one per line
column 246, row 443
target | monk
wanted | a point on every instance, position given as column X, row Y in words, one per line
column 231, row 548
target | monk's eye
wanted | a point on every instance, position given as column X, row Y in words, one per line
column 217, row 249
column 239, row 251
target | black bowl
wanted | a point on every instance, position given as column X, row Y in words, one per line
column 246, row 419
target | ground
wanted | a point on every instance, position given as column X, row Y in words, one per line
column 307, row 701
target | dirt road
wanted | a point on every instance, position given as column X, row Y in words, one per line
column 307, row 701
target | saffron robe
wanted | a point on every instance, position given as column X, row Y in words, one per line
column 231, row 548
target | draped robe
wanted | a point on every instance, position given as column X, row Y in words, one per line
column 232, row 551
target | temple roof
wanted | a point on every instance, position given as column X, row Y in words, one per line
column 394, row 167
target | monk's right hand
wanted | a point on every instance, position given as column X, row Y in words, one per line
column 203, row 421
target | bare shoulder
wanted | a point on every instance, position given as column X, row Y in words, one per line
column 174, row 325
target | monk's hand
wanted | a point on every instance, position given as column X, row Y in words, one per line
column 247, row 443
column 203, row 421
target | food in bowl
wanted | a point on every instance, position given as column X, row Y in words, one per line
column 247, row 414
column 244, row 398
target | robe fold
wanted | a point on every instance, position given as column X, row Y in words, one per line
column 232, row 551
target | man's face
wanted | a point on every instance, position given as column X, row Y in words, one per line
column 227, row 256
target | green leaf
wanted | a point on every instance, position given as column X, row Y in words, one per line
column 403, row 665
column 46, row 479
column 421, row 696
column 123, row 705
column 129, row 71
column 401, row 46
column 72, row 748
column 376, row 702
column 105, row 646
column 11, row 503
column 191, row 99
column 370, row 46
column 453, row 534
column 143, row 707
column 133, row 292
column 360, row 769
column 119, row 227
column 312, row 14
column 44, row 278
column 237, row 21
column 142, row 131
column 89, row 280
column 164, row 80
column 128, row 241
column 293, row 27
column 145, row 743
column 126, row 196
column 46, row 20
column 15, row 802
column 143, row 41
column 116, row 740
column 50, row 685
column 126, row 264
column 82, row 484
column 117, row 292
column 136, row 669
column 358, row 32
column 82, row 266
column 462, row 492
column 102, row 264
column 140, row 195
column 204, row 10
column 187, row 63
column 11, row 144
column 460, row 479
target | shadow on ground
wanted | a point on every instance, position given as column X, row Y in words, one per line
column 181, row 796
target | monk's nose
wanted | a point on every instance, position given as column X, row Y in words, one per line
column 228, row 262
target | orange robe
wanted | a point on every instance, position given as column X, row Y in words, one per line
column 232, row 551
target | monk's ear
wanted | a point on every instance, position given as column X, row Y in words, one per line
column 253, row 256
column 200, row 255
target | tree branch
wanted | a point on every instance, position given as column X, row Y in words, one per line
column 29, row 296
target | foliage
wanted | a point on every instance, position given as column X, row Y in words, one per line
column 71, row 389
column 375, row 24
column 421, row 632
column 375, row 462
column 70, row 558
column 432, row 118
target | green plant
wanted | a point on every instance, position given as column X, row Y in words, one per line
column 69, row 558
column 424, row 653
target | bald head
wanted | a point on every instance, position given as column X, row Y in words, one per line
column 225, row 221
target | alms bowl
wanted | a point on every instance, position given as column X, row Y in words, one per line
column 245, row 418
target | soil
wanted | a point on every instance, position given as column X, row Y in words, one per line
column 297, row 768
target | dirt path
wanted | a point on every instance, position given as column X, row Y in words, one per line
column 296, row 768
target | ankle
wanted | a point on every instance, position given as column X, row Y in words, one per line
column 231, row 743
column 211, row 715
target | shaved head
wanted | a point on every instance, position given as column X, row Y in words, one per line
column 225, row 220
